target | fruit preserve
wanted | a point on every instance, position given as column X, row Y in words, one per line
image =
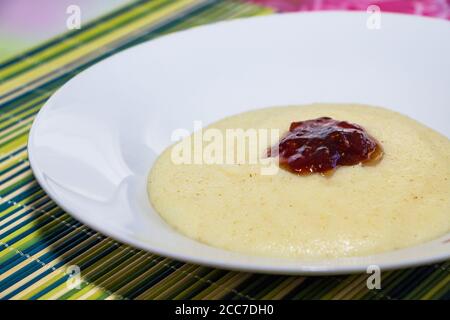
column 323, row 144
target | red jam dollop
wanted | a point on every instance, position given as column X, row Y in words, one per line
column 322, row 144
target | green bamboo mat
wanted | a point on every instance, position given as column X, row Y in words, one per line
column 39, row 241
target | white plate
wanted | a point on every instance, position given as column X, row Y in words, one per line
column 93, row 143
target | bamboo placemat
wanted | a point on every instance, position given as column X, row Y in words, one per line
column 40, row 244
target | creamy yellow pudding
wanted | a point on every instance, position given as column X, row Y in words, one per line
column 358, row 210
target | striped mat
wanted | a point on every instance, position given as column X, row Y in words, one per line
column 40, row 244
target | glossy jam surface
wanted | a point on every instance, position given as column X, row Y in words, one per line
column 323, row 144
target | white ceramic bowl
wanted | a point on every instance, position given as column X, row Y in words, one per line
column 93, row 143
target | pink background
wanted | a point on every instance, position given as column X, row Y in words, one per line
column 434, row 8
